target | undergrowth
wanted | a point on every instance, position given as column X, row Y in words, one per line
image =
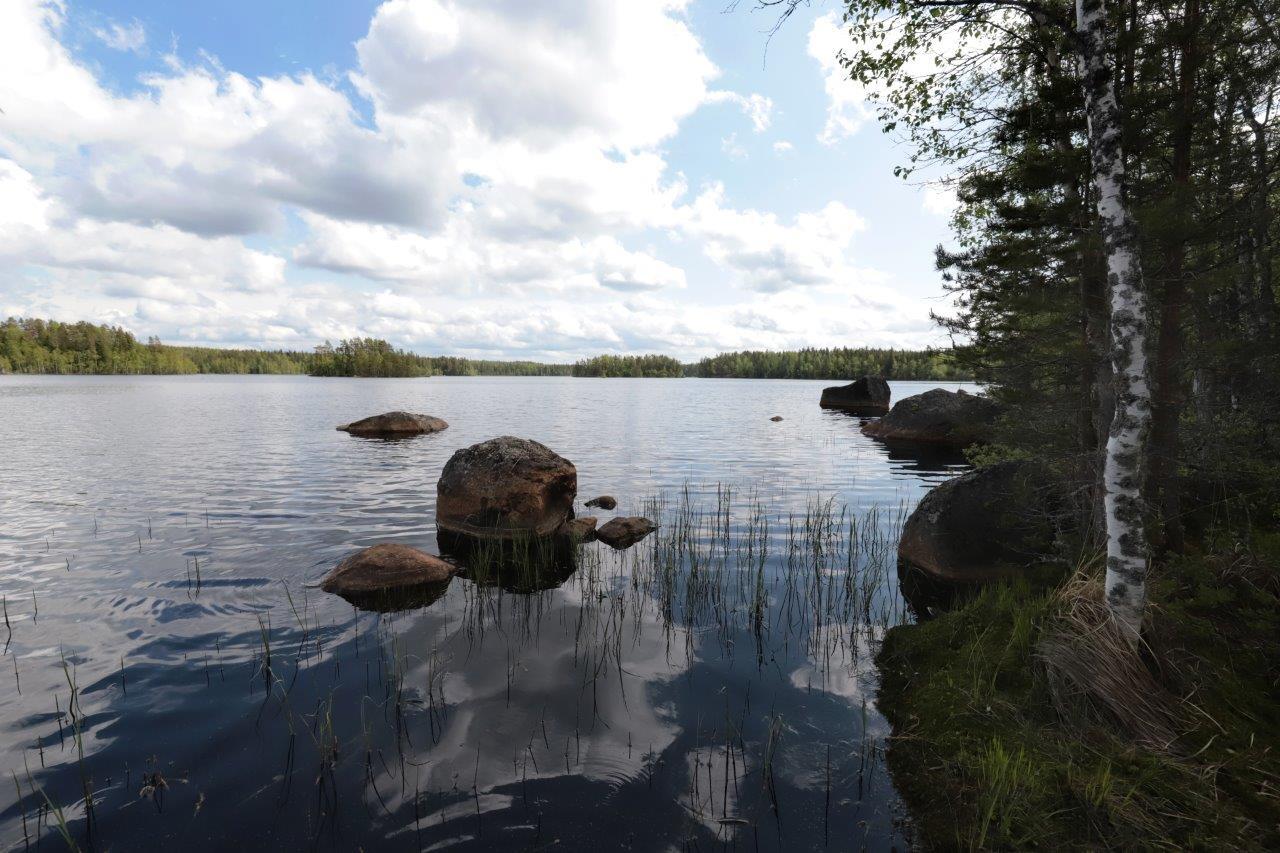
column 986, row 759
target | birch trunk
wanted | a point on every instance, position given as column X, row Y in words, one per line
column 1126, row 580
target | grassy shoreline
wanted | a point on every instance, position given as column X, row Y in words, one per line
column 988, row 755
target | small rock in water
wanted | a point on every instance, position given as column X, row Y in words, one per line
column 394, row 424
column 603, row 502
column 623, row 532
column 580, row 529
column 386, row 567
column 776, row 418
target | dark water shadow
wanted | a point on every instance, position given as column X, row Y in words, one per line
column 922, row 457
column 524, row 565
column 396, row 600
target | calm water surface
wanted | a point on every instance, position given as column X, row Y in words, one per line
column 172, row 675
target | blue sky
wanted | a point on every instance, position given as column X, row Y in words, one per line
column 487, row 178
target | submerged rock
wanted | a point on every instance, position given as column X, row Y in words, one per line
column 938, row 416
column 389, row 577
column 625, row 531
column 603, row 502
column 579, row 529
column 866, row 396
column 505, row 488
column 987, row 525
column 776, row 418
column 395, row 424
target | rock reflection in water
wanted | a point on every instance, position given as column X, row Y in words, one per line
column 394, row 600
column 524, row 565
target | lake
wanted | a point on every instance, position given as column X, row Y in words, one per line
column 173, row 676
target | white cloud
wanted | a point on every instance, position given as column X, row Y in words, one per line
column 508, row 192
column 129, row 38
column 847, row 103
column 626, row 73
column 782, row 146
column 770, row 255
column 460, row 261
column 732, row 148
column 756, row 107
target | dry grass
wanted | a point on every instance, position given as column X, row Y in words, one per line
column 1092, row 665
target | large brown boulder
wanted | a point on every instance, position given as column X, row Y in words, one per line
column 987, row 525
column 379, row 575
column 938, row 416
column 394, row 425
column 625, row 531
column 866, row 396
column 505, row 488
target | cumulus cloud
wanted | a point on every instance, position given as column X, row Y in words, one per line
column 458, row 261
column 770, row 255
column 623, row 72
column 499, row 185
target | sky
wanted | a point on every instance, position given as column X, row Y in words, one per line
column 486, row 178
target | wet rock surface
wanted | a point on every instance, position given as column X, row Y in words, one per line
column 952, row 418
column 505, row 488
column 581, row 529
column 394, row 425
column 866, row 396
column 625, row 531
column 381, row 576
column 986, row 525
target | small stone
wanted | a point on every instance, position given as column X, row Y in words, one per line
column 625, row 531
column 580, row 529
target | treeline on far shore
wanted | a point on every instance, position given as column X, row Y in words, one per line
column 49, row 346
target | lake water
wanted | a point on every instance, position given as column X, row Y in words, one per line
column 172, row 676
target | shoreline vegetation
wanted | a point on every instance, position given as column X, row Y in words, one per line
column 1113, row 277
column 35, row 346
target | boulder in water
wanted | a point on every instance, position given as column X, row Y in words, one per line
column 951, row 418
column 625, row 531
column 866, row 396
column 987, row 525
column 505, row 488
column 603, row 502
column 378, row 576
column 394, row 425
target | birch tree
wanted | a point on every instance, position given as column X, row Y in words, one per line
column 947, row 112
column 1127, row 561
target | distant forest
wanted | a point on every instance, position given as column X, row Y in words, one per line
column 49, row 346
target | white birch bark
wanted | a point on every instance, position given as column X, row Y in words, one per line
column 1126, row 579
